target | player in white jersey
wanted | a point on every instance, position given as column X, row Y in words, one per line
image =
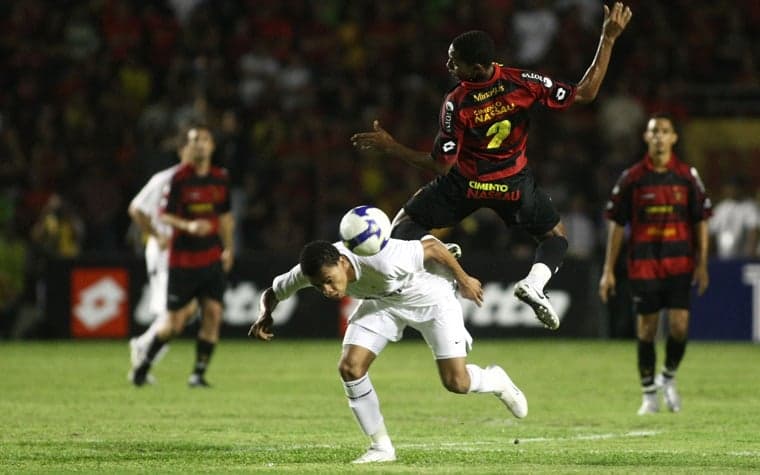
column 144, row 209
column 407, row 283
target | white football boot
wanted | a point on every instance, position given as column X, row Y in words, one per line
column 669, row 392
column 377, row 454
column 539, row 303
column 511, row 395
column 649, row 404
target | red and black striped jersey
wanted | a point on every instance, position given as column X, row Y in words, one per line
column 662, row 209
column 484, row 126
column 191, row 196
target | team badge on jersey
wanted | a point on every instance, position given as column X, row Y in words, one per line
column 448, row 117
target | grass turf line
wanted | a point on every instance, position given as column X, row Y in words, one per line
column 279, row 407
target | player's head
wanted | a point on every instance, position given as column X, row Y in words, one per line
column 660, row 135
column 327, row 269
column 196, row 143
column 471, row 55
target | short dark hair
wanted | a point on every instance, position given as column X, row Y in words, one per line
column 475, row 47
column 316, row 255
column 662, row 115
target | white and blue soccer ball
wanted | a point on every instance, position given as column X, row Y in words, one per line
column 365, row 230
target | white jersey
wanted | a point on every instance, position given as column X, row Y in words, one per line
column 148, row 199
column 396, row 275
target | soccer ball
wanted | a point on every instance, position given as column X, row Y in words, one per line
column 365, row 230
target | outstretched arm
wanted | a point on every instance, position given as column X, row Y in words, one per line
column 469, row 287
column 382, row 142
column 615, row 21
column 262, row 327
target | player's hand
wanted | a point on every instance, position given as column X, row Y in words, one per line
column 701, row 279
column 606, row 286
column 615, row 20
column 471, row 289
column 378, row 140
column 200, row 227
column 262, row 327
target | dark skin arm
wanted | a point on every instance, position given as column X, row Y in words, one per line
column 615, row 21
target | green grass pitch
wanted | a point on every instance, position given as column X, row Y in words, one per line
column 279, row 407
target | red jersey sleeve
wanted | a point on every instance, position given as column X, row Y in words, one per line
column 618, row 208
column 547, row 91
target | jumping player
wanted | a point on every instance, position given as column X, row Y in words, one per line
column 480, row 156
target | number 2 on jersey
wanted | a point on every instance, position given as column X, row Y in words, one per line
column 500, row 131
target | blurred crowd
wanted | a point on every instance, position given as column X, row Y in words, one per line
column 93, row 92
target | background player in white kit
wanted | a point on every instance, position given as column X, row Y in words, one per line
column 397, row 291
column 144, row 210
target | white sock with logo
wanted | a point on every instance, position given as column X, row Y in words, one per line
column 482, row 380
column 363, row 401
column 539, row 275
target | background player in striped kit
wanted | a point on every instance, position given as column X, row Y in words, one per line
column 144, row 210
column 480, row 151
column 397, row 291
column 665, row 205
column 197, row 207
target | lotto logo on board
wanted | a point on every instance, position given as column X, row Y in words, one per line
column 99, row 303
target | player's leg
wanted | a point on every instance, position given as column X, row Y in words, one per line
column 180, row 306
column 648, row 317
column 539, row 217
column 158, row 282
column 174, row 326
column 208, row 337
column 439, row 204
column 360, row 348
column 449, row 340
column 678, row 332
column 212, row 292
column 404, row 227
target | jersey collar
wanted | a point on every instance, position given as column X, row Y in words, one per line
column 649, row 164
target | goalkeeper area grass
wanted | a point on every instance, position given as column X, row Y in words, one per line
column 279, row 407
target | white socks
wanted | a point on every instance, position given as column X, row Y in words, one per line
column 483, row 380
column 363, row 401
column 539, row 275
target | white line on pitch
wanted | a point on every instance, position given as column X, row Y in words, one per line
column 465, row 445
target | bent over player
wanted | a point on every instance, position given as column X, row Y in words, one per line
column 397, row 291
column 480, row 151
column 664, row 202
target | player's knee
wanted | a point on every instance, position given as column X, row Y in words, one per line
column 351, row 370
column 458, row 383
column 405, row 228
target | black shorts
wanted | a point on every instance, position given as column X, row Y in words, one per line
column 449, row 199
column 186, row 284
column 671, row 292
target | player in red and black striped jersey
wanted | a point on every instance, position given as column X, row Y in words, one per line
column 663, row 202
column 201, row 251
column 480, row 155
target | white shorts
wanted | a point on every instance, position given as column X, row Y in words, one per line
column 374, row 323
column 157, row 264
